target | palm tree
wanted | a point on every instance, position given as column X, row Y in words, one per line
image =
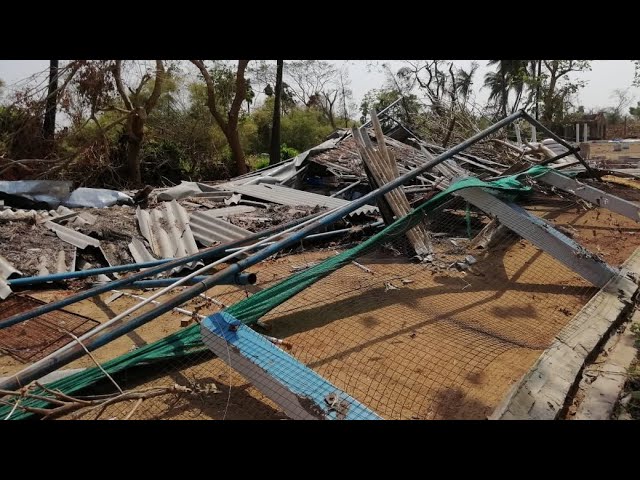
column 510, row 75
column 464, row 81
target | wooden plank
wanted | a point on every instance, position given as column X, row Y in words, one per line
column 543, row 390
column 299, row 391
column 382, row 168
column 543, row 235
column 592, row 195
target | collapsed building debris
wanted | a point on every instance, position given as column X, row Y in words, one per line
column 453, row 207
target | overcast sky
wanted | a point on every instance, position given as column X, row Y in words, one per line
column 606, row 75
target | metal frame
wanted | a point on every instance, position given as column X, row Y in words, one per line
column 543, row 235
column 592, row 195
column 298, row 390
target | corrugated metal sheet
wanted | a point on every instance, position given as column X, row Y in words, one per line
column 62, row 261
column 283, row 173
column 7, row 269
column 139, row 252
column 167, row 231
column 228, row 211
column 294, row 198
column 210, row 230
column 5, row 291
column 71, row 236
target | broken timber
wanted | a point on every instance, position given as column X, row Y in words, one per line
column 299, row 391
column 382, row 166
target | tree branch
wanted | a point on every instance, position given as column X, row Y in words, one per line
column 241, row 92
column 157, row 87
column 117, row 75
column 211, row 93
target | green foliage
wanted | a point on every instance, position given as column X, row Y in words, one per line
column 300, row 129
column 287, row 152
column 20, row 133
column 258, row 161
column 635, row 111
column 379, row 99
column 303, row 128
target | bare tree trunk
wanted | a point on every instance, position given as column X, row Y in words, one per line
column 135, row 134
column 133, row 160
column 230, row 126
column 236, row 150
column 538, row 87
column 274, row 150
column 49, row 124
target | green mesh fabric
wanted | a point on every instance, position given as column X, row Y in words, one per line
column 187, row 342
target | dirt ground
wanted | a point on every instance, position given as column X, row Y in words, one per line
column 407, row 340
column 607, row 150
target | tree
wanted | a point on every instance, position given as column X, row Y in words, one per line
column 511, row 76
column 635, row 111
column 49, row 123
column 219, row 111
column 346, row 96
column 557, row 87
column 316, row 83
column 137, row 110
column 464, row 81
column 274, row 152
column 622, row 101
column 379, row 99
column 430, row 76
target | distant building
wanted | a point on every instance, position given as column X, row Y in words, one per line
column 596, row 127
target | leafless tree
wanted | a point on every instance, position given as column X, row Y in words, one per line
column 137, row 109
column 623, row 100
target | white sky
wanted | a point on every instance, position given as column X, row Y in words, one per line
column 606, row 75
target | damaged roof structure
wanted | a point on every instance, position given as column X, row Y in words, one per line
column 324, row 270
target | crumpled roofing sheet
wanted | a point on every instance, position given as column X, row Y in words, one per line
column 292, row 197
column 167, row 230
column 209, row 230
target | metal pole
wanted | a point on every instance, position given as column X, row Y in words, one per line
column 17, row 282
column 55, row 361
column 383, row 111
column 241, row 279
column 575, row 151
column 347, row 188
column 202, row 255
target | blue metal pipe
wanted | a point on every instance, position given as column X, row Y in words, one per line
column 241, row 279
column 42, row 368
column 56, row 277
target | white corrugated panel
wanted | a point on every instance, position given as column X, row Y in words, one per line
column 209, row 230
column 167, row 231
column 292, row 197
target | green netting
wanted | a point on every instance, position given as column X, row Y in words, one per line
column 187, row 342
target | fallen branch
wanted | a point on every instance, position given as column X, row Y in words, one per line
column 66, row 404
